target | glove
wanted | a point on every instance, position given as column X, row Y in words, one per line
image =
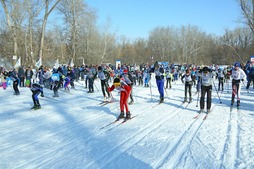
column 108, row 89
column 42, row 95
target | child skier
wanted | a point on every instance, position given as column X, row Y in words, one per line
column 36, row 90
column 238, row 75
column 125, row 90
column 188, row 85
column 220, row 75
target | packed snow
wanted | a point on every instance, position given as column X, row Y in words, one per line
column 74, row 130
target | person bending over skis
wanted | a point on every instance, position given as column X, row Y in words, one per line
column 36, row 90
column 125, row 90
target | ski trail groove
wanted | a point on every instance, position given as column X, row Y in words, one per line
column 230, row 151
column 175, row 151
column 134, row 139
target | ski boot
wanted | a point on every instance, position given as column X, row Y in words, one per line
column 34, row 107
column 128, row 116
column 121, row 116
column 161, row 100
column 185, row 99
column 190, row 100
column 38, row 107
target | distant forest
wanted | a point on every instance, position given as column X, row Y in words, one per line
column 25, row 33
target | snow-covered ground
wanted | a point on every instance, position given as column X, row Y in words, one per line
column 71, row 132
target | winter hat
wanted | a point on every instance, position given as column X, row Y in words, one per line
column 237, row 64
column 205, row 69
column 116, row 82
column 125, row 71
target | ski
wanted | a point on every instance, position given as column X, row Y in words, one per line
column 113, row 122
column 106, row 102
column 205, row 117
column 51, row 98
column 125, row 120
column 156, row 104
column 103, row 102
column 197, row 116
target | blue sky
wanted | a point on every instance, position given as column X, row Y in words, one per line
column 136, row 18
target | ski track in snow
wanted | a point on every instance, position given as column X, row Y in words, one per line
column 134, row 139
column 230, row 151
column 177, row 153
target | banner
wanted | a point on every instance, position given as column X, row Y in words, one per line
column 38, row 63
column 118, row 64
column 56, row 65
column 71, row 64
column 18, row 63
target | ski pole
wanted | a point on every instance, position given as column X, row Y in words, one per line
column 151, row 89
column 166, row 91
column 197, row 99
column 217, row 92
column 95, row 86
column 50, row 98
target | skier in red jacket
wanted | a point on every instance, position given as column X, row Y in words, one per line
column 125, row 90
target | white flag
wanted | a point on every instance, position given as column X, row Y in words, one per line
column 71, row 64
column 38, row 63
column 18, row 63
column 83, row 61
column 56, row 65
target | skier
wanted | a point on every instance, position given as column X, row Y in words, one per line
column 169, row 78
column 67, row 81
column 91, row 74
column 125, row 90
column 128, row 79
column 188, row 85
column 238, row 75
column 13, row 75
column 220, row 76
column 103, row 75
column 28, row 76
column 159, row 71
column 72, row 77
column 36, row 90
column 3, row 76
column 206, row 80
column 250, row 77
column 55, row 80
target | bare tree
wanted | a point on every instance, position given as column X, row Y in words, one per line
column 11, row 27
column 247, row 7
column 45, row 18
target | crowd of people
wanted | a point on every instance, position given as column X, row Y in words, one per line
column 124, row 77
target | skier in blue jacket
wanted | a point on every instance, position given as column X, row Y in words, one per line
column 159, row 71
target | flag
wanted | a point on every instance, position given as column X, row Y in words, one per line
column 56, row 65
column 38, row 63
column 83, row 61
column 71, row 64
column 18, row 63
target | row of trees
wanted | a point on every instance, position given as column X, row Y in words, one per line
column 73, row 34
